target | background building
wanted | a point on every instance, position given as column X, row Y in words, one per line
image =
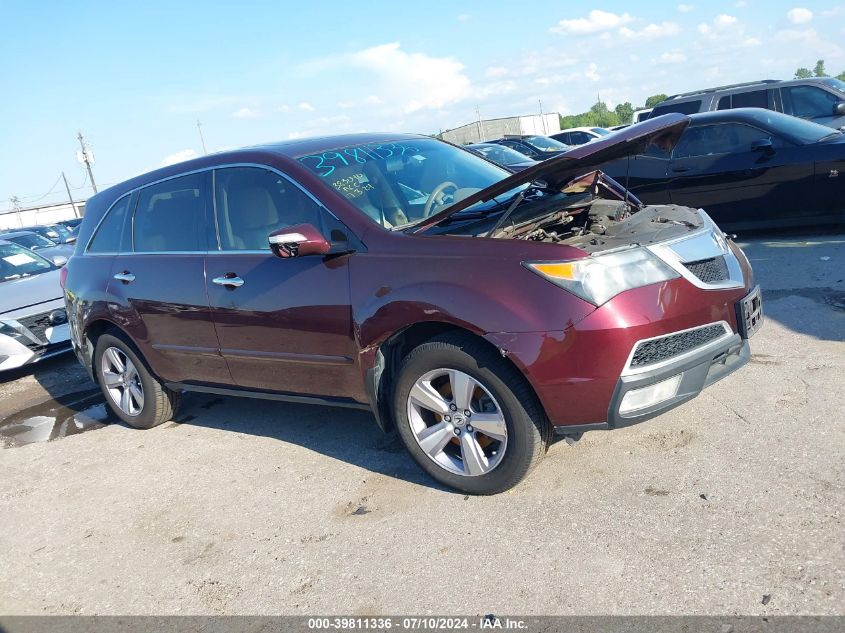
column 47, row 214
column 489, row 129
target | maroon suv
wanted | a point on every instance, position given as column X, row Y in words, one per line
column 479, row 313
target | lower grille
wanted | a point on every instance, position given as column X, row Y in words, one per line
column 37, row 324
column 660, row 349
column 710, row 270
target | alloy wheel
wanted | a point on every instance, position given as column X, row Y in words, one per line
column 457, row 422
column 122, row 382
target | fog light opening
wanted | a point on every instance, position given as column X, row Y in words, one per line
column 645, row 397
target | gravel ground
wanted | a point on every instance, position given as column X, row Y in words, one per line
column 731, row 504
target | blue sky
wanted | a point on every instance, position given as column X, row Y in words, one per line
column 136, row 76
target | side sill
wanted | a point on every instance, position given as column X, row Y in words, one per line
column 345, row 403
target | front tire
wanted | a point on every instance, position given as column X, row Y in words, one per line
column 132, row 393
column 467, row 417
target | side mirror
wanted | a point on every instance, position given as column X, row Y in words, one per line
column 764, row 146
column 839, row 108
column 60, row 260
column 298, row 240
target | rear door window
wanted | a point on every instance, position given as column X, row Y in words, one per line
column 109, row 237
column 685, row 107
column 750, row 99
column 170, row 217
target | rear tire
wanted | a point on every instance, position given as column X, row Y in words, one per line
column 132, row 392
column 486, row 452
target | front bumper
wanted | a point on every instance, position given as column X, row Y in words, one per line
column 697, row 370
column 14, row 353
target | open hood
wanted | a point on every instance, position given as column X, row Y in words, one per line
column 557, row 172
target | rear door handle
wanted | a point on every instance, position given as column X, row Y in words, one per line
column 126, row 277
column 229, row 280
column 680, row 168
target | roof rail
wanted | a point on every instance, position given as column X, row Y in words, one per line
column 728, row 87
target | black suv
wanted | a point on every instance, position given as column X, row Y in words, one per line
column 819, row 99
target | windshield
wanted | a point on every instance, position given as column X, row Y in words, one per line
column 32, row 241
column 600, row 131
column 833, row 82
column 545, row 144
column 501, row 154
column 798, row 130
column 403, row 182
column 16, row 262
column 62, row 230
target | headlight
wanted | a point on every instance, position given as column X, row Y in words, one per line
column 599, row 279
column 8, row 330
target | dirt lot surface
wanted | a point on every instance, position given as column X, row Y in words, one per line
column 731, row 504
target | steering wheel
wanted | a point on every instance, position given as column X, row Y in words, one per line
column 436, row 196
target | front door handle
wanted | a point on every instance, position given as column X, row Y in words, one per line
column 680, row 168
column 126, row 277
column 230, row 280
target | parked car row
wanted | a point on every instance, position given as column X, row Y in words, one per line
column 33, row 321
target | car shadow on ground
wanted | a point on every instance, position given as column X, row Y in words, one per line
column 802, row 275
column 348, row 435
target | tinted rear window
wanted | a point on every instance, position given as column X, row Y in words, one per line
column 753, row 99
column 171, row 216
column 685, row 107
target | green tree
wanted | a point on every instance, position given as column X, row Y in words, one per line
column 653, row 100
column 841, row 76
column 624, row 112
column 803, row 73
column 819, row 71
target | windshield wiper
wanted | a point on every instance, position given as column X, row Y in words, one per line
column 519, row 198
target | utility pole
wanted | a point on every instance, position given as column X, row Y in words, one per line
column 16, row 207
column 70, row 197
column 478, row 118
column 542, row 118
column 202, row 140
column 85, row 157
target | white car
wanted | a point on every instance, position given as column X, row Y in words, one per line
column 33, row 320
column 580, row 135
column 640, row 115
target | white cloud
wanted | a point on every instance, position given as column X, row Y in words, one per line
column 740, row 4
column 675, row 57
column 496, row 71
column 373, row 100
column 422, row 81
column 752, row 41
column 245, row 113
column 595, row 22
column 592, row 73
column 799, row 15
column 345, row 105
column 464, row 17
column 651, row 31
column 685, row 8
column 306, row 107
column 723, row 19
column 178, row 157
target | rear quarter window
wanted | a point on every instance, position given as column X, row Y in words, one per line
column 109, row 237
